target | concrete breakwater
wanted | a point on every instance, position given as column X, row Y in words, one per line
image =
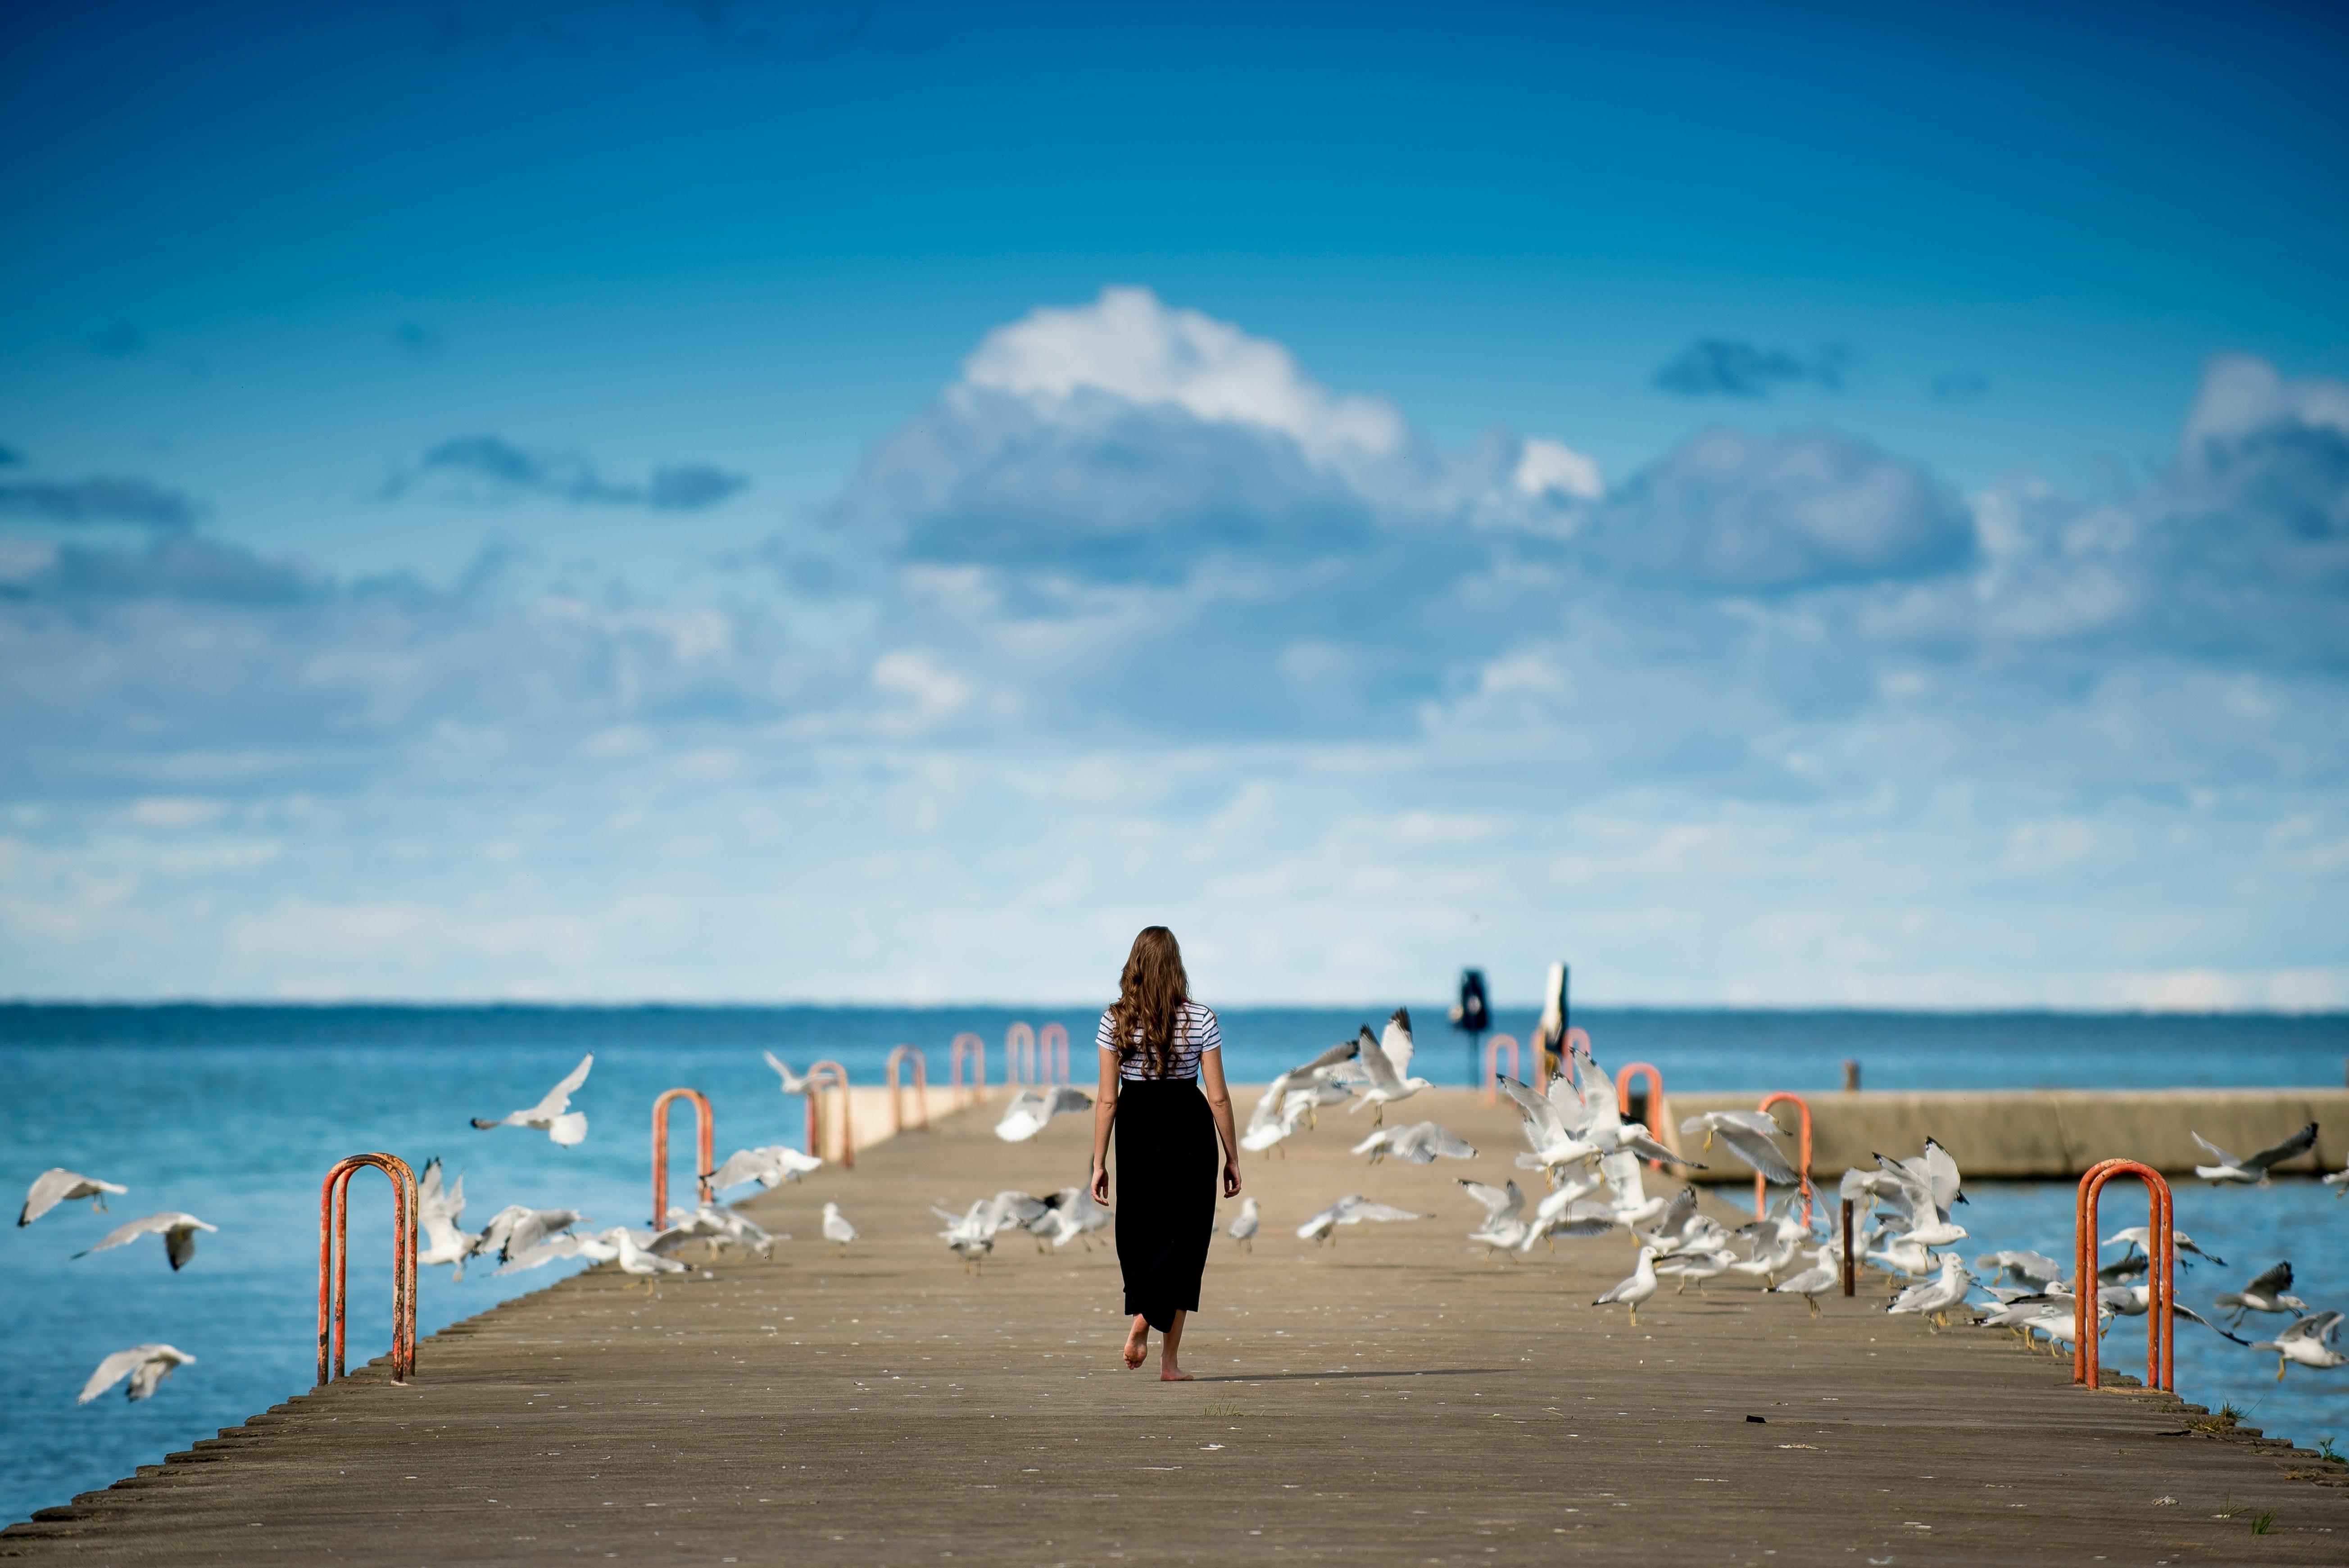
column 2046, row 1134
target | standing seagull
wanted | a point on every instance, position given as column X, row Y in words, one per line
column 58, row 1185
column 177, row 1230
column 2308, row 1342
column 1243, row 1227
column 1387, row 1060
column 552, row 1115
column 1637, row 1289
column 2255, row 1167
column 836, row 1228
column 145, row 1365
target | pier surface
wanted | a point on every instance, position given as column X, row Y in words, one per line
column 1395, row 1398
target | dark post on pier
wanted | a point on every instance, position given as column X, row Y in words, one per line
column 1471, row 1015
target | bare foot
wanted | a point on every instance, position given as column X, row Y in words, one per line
column 1173, row 1374
column 1137, row 1346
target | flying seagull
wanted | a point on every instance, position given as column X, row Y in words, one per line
column 1387, row 1060
column 1351, row 1209
column 2308, row 1342
column 1417, row 1144
column 1748, row 1134
column 2255, row 1167
column 769, row 1167
column 436, row 1215
column 793, row 1083
column 58, row 1185
column 177, row 1230
column 1031, row 1110
column 145, row 1365
column 2270, row 1292
column 553, row 1115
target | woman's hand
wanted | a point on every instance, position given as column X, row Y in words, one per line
column 1101, row 1185
column 1231, row 1177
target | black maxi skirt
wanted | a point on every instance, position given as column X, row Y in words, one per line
column 1167, row 1172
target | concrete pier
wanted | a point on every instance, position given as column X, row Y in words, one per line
column 1395, row 1399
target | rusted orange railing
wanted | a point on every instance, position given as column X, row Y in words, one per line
column 704, row 1127
column 1020, row 1054
column 831, row 1075
column 2160, row 1276
column 1802, row 1168
column 334, row 1256
column 1052, row 1045
column 972, row 1046
column 921, row 1090
column 1659, row 1118
column 1493, row 1065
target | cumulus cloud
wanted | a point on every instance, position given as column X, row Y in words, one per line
column 1732, row 367
column 1139, row 621
column 88, row 500
column 506, row 471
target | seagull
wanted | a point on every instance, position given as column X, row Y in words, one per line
column 515, row 1229
column 793, row 1083
column 771, row 1166
column 58, row 1185
column 2255, row 1167
column 2271, row 1292
column 1776, row 1241
column 638, row 1260
column 836, row 1228
column 436, row 1213
column 1030, row 1108
column 2308, row 1342
column 552, row 1115
column 1289, row 1101
column 1900, row 1254
column 2036, row 1270
column 1568, row 1125
column 1502, row 1230
column 1936, row 1297
column 2137, row 1235
column 145, row 1365
column 970, row 1236
column 1928, row 1188
column 717, row 1226
column 1748, row 1134
column 1388, row 1062
column 1825, row 1275
column 1637, row 1289
column 177, row 1230
column 2054, row 1316
column 2136, row 1300
column 1351, row 1209
column 1071, row 1214
column 562, row 1244
column 2339, row 1182
column 1418, row 1144
column 1243, row 1227
column 1697, row 1266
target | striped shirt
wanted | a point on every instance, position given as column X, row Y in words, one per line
column 1195, row 1034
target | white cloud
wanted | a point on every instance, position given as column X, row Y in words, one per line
column 1547, row 467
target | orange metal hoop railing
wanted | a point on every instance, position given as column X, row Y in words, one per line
column 334, row 1250
column 921, row 1089
column 969, row 1046
column 823, row 1076
column 1761, row 1205
column 1493, row 1065
column 2160, row 1276
column 1052, row 1045
column 1020, row 1054
column 704, row 1127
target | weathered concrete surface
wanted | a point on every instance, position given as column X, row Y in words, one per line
column 1394, row 1399
column 2042, row 1134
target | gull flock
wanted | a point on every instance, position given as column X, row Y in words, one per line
column 1588, row 1158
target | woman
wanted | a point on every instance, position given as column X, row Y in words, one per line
column 1158, row 1047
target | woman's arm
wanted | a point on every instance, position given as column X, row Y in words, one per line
column 1105, row 1116
column 1219, row 1100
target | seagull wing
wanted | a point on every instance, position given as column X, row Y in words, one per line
column 1068, row 1098
column 180, row 1242
column 2274, row 1281
column 1422, row 1141
column 2217, row 1153
column 1757, row 1150
column 2318, row 1326
column 1374, row 1060
column 1395, row 1042
column 1500, row 1204
column 792, row 1082
column 1941, row 1177
column 1540, row 1115
column 2300, row 1142
column 1635, row 1138
column 123, row 1234
column 743, row 1165
column 1380, row 1211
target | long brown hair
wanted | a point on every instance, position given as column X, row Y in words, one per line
column 1149, row 994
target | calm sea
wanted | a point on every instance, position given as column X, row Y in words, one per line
column 233, row 1113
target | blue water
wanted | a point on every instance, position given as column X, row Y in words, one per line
column 234, row 1114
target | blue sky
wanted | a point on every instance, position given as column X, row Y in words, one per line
column 746, row 502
